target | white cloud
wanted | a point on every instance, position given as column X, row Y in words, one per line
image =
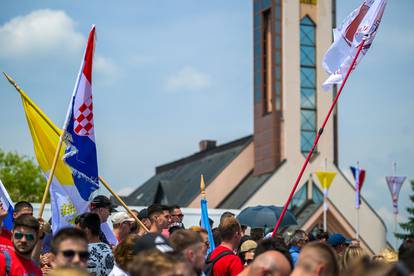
column 108, row 70
column 38, row 34
column 188, row 79
column 125, row 191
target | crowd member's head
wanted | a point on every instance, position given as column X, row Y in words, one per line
column 102, row 206
column 405, row 264
column 316, row 258
column 210, row 221
column 151, row 263
column 273, row 244
column 322, row 236
column 68, row 271
column 134, row 225
column 351, row 255
column 216, row 236
column 225, row 215
column 143, row 217
column 91, row 225
column 405, row 245
column 299, row 239
column 176, row 214
column 70, row 248
column 121, row 223
column 158, row 218
column 365, row 267
column 246, row 252
column 203, row 234
column 22, row 208
column 388, row 256
column 230, row 232
column 25, row 235
column 257, row 234
column 269, row 263
column 339, row 243
column 190, row 245
column 124, row 251
column 166, row 211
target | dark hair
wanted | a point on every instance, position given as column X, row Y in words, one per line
column 124, row 251
column 182, row 239
column 154, row 209
column 216, row 236
column 165, row 208
column 90, row 221
column 228, row 228
column 297, row 236
column 257, row 234
column 406, row 258
column 69, row 233
column 407, row 243
column 27, row 221
column 276, row 244
column 21, row 205
column 173, row 207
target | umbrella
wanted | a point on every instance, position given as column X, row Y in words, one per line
column 265, row 216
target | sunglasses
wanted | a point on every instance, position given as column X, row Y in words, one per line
column 83, row 255
column 19, row 236
column 179, row 215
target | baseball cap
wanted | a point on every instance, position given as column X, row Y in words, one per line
column 248, row 245
column 121, row 217
column 338, row 239
column 102, row 201
column 150, row 241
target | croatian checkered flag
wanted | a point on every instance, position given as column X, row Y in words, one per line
column 79, row 136
column 394, row 184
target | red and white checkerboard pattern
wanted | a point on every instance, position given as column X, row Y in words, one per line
column 83, row 119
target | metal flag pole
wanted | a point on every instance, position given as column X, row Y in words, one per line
column 325, row 196
column 394, row 172
column 357, row 200
column 318, row 136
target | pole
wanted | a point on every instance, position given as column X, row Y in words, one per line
column 325, row 208
column 60, row 133
column 122, row 203
column 52, row 172
column 357, row 201
column 318, row 136
column 394, row 172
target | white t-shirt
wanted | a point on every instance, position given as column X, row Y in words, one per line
column 117, row 271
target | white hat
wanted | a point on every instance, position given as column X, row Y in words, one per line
column 121, row 217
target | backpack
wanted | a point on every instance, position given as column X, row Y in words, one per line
column 208, row 268
column 8, row 261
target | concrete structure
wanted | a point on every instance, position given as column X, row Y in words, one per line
column 290, row 39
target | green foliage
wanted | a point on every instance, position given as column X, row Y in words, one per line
column 23, row 179
column 408, row 226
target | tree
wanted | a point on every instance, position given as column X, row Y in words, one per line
column 408, row 226
column 22, row 177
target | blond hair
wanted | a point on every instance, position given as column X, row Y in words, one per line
column 352, row 253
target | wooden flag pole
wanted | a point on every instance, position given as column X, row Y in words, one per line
column 318, row 136
column 202, row 187
column 123, row 204
column 60, row 133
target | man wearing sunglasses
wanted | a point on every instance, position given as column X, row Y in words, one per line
column 24, row 238
column 70, row 248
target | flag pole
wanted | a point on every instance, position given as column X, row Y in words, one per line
column 123, row 204
column 394, row 172
column 325, row 201
column 357, row 200
column 279, row 221
column 59, row 133
column 55, row 158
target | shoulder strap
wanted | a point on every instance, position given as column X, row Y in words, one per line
column 219, row 256
column 8, row 261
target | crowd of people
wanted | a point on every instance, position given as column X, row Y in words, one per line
column 171, row 249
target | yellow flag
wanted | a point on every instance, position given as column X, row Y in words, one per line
column 325, row 178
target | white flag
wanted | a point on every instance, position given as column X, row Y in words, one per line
column 361, row 24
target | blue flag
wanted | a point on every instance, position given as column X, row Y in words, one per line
column 7, row 205
column 206, row 225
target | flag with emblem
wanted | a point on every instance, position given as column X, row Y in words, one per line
column 394, row 184
column 79, row 136
column 361, row 25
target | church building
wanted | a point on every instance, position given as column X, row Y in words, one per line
column 290, row 38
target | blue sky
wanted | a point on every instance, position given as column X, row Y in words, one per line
column 170, row 73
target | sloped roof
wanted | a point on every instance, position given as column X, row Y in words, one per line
column 178, row 182
column 246, row 189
